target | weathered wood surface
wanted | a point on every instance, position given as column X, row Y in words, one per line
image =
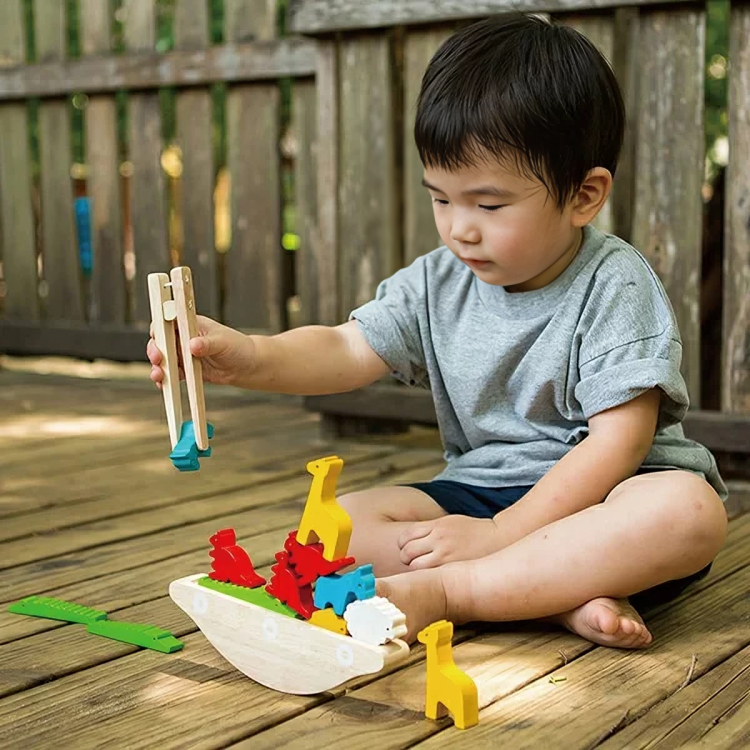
column 107, row 289
column 61, row 263
column 735, row 391
column 255, row 298
column 232, row 62
column 196, row 184
column 669, row 166
column 16, row 217
column 77, row 527
column 321, row 16
column 368, row 199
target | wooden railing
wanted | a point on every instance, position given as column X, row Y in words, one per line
column 141, row 219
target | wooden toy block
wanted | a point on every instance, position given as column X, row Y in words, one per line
column 282, row 653
column 448, row 688
column 56, row 609
column 338, row 591
column 375, row 621
column 146, row 636
column 323, row 519
column 308, row 561
column 285, row 587
column 172, row 302
column 328, row 619
column 257, row 596
column 231, row 563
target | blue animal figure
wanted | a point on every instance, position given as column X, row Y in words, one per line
column 186, row 453
column 339, row 591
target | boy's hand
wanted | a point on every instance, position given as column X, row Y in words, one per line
column 428, row 544
column 224, row 353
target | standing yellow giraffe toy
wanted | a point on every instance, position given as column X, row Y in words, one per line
column 324, row 519
column 448, row 688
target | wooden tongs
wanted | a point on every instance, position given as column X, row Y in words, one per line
column 174, row 301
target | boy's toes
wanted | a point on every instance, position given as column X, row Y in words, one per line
column 608, row 622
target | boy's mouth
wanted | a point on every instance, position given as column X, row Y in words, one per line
column 478, row 264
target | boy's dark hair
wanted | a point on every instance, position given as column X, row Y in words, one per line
column 524, row 90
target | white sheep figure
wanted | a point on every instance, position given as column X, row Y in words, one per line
column 375, row 620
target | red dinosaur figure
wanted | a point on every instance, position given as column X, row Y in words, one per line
column 308, row 561
column 231, row 564
column 286, row 588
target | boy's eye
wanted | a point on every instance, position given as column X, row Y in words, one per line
column 491, row 208
column 440, row 201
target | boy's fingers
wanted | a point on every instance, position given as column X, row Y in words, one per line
column 415, row 531
column 430, row 560
column 414, row 549
column 153, row 353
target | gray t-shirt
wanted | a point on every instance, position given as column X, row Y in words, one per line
column 516, row 376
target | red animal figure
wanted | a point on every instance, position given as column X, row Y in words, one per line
column 231, row 564
column 308, row 561
column 286, row 588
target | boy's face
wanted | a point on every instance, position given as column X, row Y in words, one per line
column 504, row 226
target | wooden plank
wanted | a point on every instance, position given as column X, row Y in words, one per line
column 304, row 118
column 194, row 136
column 735, row 390
column 147, row 190
column 62, row 267
column 692, row 713
column 327, row 241
column 600, row 30
column 531, row 717
column 108, row 302
column 16, row 219
column 420, row 233
column 322, row 16
column 369, row 186
column 66, row 340
column 255, row 296
column 235, row 62
column 717, row 431
column 668, row 207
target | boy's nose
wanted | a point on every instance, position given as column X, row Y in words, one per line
column 462, row 231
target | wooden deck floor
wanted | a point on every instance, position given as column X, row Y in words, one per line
column 92, row 511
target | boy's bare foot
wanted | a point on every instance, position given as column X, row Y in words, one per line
column 608, row 622
column 420, row 595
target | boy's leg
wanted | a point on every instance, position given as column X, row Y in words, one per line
column 378, row 517
column 652, row 528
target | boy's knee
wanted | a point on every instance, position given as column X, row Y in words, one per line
column 699, row 513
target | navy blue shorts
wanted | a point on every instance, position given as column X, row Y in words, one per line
column 457, row 498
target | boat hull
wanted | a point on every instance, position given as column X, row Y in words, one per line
column 280, row 652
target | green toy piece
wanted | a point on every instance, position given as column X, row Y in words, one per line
column 258, row 596
column 147, row 636
column 56, row 609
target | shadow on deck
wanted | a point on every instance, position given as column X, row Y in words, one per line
column 92, row 511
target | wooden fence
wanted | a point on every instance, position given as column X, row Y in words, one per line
column 374, row 216
column 145, row 221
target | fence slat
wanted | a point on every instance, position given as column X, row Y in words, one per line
column 62, row 267
column 108, row 301
column 370, row 238
column 194, row 135
column 668, row 206
column 327, row 151
column 307, row 272
column 147, row 192
column 735, row 395
column 599, row 29
column 254, row 286
column 420, row 234
column 16, row 217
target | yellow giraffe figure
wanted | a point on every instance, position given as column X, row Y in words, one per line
column 324, row 519
column 447, row 686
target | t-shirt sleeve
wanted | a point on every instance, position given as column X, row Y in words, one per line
column 392, row 323
column 630, row 343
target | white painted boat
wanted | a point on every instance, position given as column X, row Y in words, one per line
column 283, row 653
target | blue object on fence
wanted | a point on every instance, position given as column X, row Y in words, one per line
column 83, row 225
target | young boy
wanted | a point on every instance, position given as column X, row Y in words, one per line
column 551, row 351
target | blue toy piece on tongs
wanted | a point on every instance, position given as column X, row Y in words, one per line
column 173, row 305
column 186, row 453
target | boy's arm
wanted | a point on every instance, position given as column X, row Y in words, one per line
column 313, row 360
column 619, row 440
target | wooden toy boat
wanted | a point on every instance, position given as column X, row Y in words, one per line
column 281, row 652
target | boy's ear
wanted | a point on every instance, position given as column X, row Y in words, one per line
column 591, row 196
